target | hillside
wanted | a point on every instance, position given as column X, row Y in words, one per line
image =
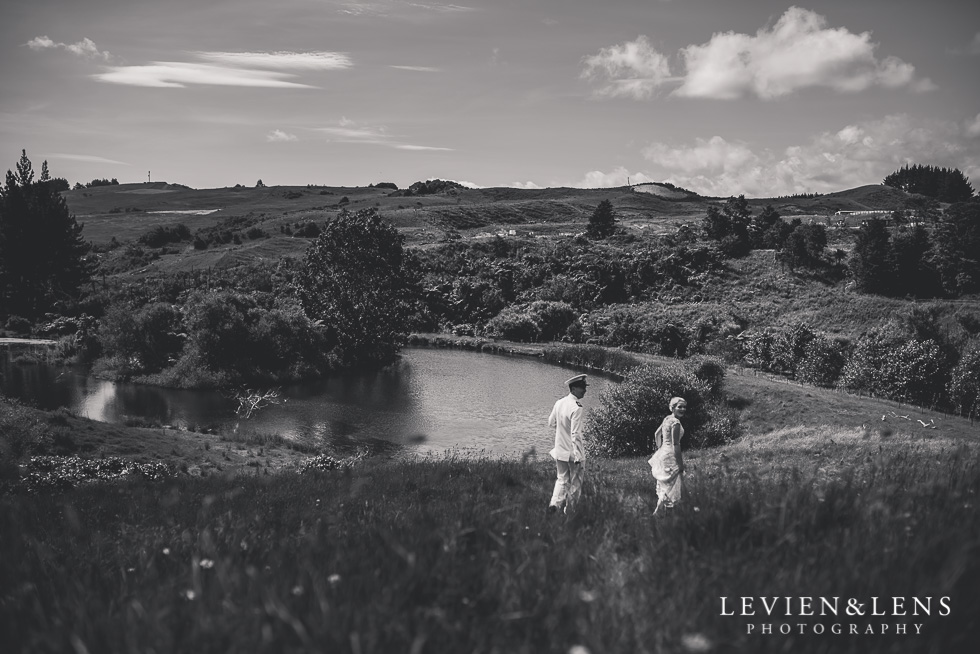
column 126, row 211
column 244, row 225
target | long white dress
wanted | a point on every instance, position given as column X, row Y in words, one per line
column 663, row 464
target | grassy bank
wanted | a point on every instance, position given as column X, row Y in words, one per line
column 453, row 555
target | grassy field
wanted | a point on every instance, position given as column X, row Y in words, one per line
column 127, row 211
column 445, row 554
column 454, row 555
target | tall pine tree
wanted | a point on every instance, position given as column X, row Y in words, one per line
column 873, row 260
column 602, row 222
column 42, row 253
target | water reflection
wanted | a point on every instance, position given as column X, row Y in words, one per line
column 433, row 400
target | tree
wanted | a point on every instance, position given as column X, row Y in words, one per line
column 913, row 273
column 943, row 184
column 804, row 246
column 602, row 222
column 356, row 280
column 872, row 261
column 767, row 229
column 716, row 225
column 42, row 253
column 730, row 226
column 957, row 242
column 964, row 384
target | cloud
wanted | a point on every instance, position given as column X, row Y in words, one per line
column 88, row 158
column 633, row 69
column 855, row 155
column 398, row 8
column 418, row 69
column 279, row 136
column 461, row 182
column 172, row 74
column 280, row 60
column 974, row 47
column 526, row 185
column 347, row 132
column 84, row 48
column 619, row 176
column 973, row 127
column 799, row 51
column 250, row 69
column 422, row 148
column 852, row 156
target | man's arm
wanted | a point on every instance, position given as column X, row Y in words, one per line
column 553, row 418
column 578, row 423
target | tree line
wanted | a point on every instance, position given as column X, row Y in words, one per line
column 943, row 184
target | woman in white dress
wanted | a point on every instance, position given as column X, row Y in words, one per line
column 667, row 464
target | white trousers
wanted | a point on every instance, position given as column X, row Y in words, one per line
column 568, row 485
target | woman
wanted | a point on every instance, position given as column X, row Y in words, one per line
column 666, row 463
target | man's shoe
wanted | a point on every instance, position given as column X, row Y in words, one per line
column 552, row 509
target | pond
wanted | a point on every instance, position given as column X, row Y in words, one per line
column 432, row 400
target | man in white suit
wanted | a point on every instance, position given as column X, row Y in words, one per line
column 568, row 419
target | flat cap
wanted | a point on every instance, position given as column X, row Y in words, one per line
column 577, row 379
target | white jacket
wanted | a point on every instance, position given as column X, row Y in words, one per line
column 568, row 419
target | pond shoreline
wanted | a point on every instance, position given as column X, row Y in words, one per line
column 493, row 346
column 27, row 341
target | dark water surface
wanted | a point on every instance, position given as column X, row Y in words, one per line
column 432, row 401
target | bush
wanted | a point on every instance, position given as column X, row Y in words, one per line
column 911, row 371
column 160, row 236
column 629, row 414
column 539, row 321
column 710, row 370
column 822, row 362
column 18, row 325
column 964, row 384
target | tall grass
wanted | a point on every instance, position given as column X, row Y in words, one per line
column 455, row 555
column 596, row 357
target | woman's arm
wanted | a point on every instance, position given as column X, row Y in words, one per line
column 675, row 439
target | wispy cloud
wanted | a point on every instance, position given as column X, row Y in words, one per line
column 399, row 8
column 84, row 48
column 174, row 74
column 799, row 51
column 418, row 69
column 973, row 127
column 973, row 48
column 87, row 158
column 422, row 148
column 279, row 136
column 250, row 69
column 856, row 154
column 280, row 60
column 349, row 131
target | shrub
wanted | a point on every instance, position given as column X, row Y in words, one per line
column 514, row 324
column 538, row 321
column 822, row 362
column 629, row 413
column 908, row 370
column 710, row 370
column 160, row 235
column 18, row 325
column 964, row 384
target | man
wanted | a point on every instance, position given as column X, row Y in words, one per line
column 568, row 419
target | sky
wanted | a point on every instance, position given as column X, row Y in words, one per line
column 722, row 97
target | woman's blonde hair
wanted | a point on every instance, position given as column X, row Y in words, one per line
column 674, row 401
